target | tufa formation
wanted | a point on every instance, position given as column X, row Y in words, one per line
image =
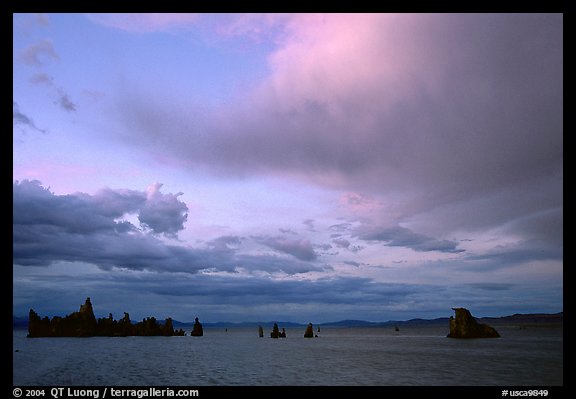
column 84, row 324
column 197, row 330
column 466, row 326
column 309, row 333
column 275, row 333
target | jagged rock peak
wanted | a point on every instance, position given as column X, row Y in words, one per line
column 87, row 307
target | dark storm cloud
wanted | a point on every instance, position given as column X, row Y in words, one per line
column 527, row 251
column 231, row 291
column 163, row 213
column 34, row 205
column 233, row 297
column 491, row 286
column 398, row 236
column 49, row 228
column 38, row 214
column 335, row 290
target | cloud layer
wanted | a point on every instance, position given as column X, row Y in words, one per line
column 460, row 111
column 356, row 164
column 398, row 236
column 51, row 228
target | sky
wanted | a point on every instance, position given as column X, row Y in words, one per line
column 293, row 167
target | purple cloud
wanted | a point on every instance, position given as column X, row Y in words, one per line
column 163, row 213
column 409, row 106
column 36, row 54
column 49, row 228
column 21, row 119
column 300, row 249
column 398, row 236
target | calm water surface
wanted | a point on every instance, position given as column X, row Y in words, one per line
column 350, row 356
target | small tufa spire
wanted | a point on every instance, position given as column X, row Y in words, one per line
column 87, row 307
column 309, row 333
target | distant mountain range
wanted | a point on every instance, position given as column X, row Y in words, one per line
column 516, row 319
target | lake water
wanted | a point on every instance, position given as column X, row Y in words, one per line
column 344, row 356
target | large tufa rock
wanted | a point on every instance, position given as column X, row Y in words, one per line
column 38, row 327
column 197, row 330
column 466, row 326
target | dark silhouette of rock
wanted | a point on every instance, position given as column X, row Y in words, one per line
column 466, row 326
column 80, row 324
column 106, row 326
column 275, row 333
column 148, row 328
column 168, row 328
column 283, row 333
column 197, row 330
column 309, row 333
column 84, row 324
column 77, row 324
column 38, row 327
column 260, row 332
column 124, row 327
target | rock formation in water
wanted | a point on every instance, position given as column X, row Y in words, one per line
column 77, row 324
column 275, row 333
column 309, row 333
column 179, row 333
column 197, row 330
column 260, row 331
column 84, row 324
column 283, row 333
column 466, row 326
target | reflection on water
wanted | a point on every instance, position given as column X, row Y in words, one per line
column 346, row 356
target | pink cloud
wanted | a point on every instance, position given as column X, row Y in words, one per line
column 407, row 107
column 342, row 62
